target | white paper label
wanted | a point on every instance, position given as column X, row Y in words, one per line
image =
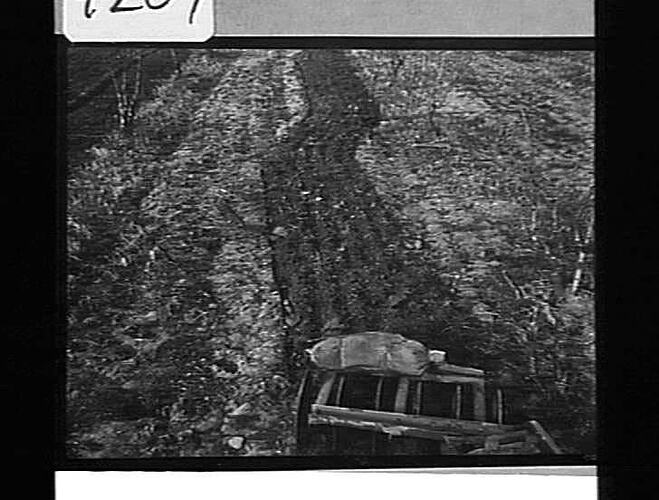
column 138, row 20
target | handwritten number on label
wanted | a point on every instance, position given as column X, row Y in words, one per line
column 151, row 4
column 195, row 3
column 116, row 7
column 155, row 7
column 89, row 12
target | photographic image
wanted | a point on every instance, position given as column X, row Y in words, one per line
column 329, row 252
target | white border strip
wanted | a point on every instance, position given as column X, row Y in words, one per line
column 319, row 485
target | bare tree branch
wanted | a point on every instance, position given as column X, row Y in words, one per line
column 100, row 85
column 256, row 228
column 519, row 293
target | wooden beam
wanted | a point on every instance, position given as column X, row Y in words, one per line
column 458, row 401
column 479, row 401
column 545, row 440
column 302, row 402
column 430, row 377
column 401, row 395
column 378, row 393
column 325, row 389
column 493, row 440
column 339, row 389
column 516, row 448
column 473, row 440
column 512, row 437
column 439, row 424
column 447, row 368
column 336, row 446
column 378, row 397
column 450, row 379
column 301, row 391
column 380, row 427
column 418, row 395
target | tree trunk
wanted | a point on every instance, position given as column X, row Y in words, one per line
column 127, row 87
column 582, row 243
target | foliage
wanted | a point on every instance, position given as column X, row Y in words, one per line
column 495, row 164
column 263, row 199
